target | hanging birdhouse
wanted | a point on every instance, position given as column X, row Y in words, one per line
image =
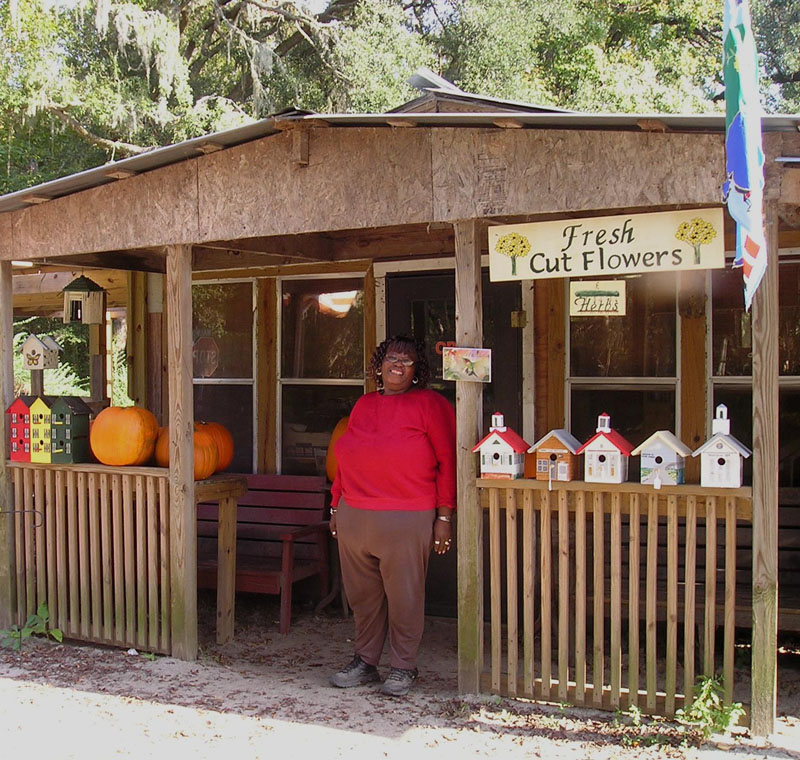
column 40, row 352
column 85, row 302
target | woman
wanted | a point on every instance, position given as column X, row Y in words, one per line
column 392, row 501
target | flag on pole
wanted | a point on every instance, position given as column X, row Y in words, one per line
column 743, row 189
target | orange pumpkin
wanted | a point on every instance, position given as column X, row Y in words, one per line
column 123, row 435
column 205, row 452
column 205, row 455
column 162, row 447
column 223, row 439
column 330, row 458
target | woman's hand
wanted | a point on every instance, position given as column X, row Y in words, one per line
column 442, row 536
column 332, row 524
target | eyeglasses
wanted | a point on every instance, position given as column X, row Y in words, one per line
column 394, row 359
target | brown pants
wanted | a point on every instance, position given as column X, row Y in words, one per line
column 384, row 559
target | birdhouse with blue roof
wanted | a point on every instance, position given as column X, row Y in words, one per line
column 18, row 416
column 663, row 459
column 556, row 456
column 502, row 451
column 69, row 430
column 41, row 420
column 721, row 456
column 606, row 454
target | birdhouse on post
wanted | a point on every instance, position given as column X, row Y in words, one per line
column 40, row 352
column 85, row 302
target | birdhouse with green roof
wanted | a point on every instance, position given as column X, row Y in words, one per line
column 85, row 302
column 69, row 430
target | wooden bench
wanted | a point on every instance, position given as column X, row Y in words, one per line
column 282, row 538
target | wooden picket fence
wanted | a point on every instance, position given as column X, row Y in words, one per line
column 609, row 576
column 92, row 543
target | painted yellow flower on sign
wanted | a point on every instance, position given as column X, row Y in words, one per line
column 514, row 246
column 696, row 232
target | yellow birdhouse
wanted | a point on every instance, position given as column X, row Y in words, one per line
column 84, row 301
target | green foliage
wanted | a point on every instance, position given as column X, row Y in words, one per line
column 36, row 625
column 86, row 81
column 708, row 713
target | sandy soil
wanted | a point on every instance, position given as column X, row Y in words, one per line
column 264, row 693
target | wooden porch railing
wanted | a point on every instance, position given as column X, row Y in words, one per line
column 93, row 543
column 619, row 593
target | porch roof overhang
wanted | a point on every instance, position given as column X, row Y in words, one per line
column 426, row 170
column 188, row 149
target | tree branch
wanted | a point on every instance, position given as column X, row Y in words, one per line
column 113, row 146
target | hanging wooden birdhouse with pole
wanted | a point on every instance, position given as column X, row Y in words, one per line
column 84, row 301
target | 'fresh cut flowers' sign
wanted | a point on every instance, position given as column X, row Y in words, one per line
column 608, row 245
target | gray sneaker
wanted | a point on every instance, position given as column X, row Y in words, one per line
column 398, row 682
column 357, row 673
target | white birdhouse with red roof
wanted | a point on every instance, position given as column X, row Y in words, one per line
column 606, row 454
column 721, row 456
column 502, row 451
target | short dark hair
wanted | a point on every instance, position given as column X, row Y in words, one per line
column 409, row 344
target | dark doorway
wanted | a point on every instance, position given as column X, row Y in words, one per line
column 425, row 306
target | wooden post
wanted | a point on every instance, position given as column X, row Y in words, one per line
column 137, row 339
column 693, row 390
column 37, row 382
column 765, row 487
column 155, row 394
column 8, row 600
column 183, row 516
column 469, row 332
column 98, row 348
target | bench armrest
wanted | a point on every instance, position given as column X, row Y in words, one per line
column 307, row 530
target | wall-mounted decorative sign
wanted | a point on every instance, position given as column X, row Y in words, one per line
column 608, row 245
column 471, row 364
column 597, row 298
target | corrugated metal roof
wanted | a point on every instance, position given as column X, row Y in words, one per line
column 171, row 154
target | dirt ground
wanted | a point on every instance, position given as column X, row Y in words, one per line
column 265, row 693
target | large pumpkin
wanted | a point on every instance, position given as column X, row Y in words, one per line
column 223, row 439
column 205, row 452
column 330, row 458
column 123, row 435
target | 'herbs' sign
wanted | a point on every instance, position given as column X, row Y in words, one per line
column 608, row 245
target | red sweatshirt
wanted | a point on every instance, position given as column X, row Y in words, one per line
column 399, row 452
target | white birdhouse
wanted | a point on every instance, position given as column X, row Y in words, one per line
column 721, row 456
column 663, row 459
column 606, row 454
column 40, row 352
column 502, row 451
